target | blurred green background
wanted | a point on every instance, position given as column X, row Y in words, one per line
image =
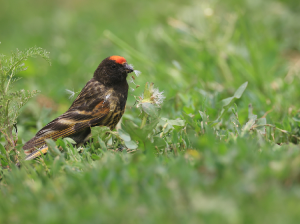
column 198, row 52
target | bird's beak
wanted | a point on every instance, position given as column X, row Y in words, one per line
column 128, row 68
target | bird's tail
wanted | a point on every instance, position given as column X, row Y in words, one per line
column 42, row 150
column 37, row 153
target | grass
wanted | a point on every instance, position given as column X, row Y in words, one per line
column 224, row 146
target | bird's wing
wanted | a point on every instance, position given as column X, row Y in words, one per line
column 89, row 109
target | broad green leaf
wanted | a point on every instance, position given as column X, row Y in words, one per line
column 150, row 109
column 3, row 162
column 131, row 144
column 226, row 101
column 70, row 140
column 102, row 144
column 176, row 122
column 296, row 119
column 124, row 135
column 134, row 131
column 188, row 119
column 109, row 142
column 159, row 142
column 240, row 90
column 237, row 95
column 2, row 149
column 61, row 142
column 99, row 131
column 95, row 157
column 167, row 128
column 52, row 147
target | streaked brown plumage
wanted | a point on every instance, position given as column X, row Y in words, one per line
column 100, row 103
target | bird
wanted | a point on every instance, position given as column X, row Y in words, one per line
column 100, row 103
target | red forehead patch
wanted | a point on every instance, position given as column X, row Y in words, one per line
column 118, row 59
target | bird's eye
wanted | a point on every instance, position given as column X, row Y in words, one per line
column 113, row 66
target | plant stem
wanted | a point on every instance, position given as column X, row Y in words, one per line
column 11, row 70
column 279, row 129
column 144, row 120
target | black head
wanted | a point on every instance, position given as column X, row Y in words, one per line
column 112, row 70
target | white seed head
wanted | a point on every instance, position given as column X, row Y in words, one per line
column 131, row 80
column 71, row 93
column 137, row 73
column 158, row 97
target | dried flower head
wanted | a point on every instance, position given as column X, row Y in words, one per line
column 137, row 73
column 151, row 95
column 157, row 97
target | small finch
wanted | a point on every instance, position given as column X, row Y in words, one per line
column 100, row 103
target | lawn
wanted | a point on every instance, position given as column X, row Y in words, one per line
column 222, row 147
